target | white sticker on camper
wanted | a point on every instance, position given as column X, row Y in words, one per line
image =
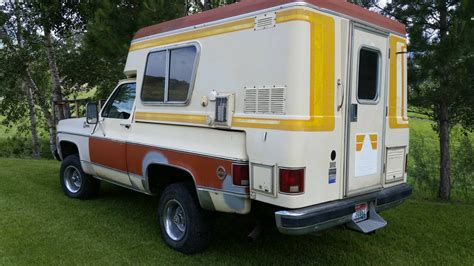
column 366, row 153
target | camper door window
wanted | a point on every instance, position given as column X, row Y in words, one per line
column 368, row 79
column 169, row 75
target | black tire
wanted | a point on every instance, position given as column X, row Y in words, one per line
column 84, row 186
column 196, row 235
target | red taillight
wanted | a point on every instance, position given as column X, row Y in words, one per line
column 240, row 174
column 292, row 180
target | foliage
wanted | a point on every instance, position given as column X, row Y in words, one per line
column 423, row 163
column 19, row 146
column 463, row 165
column 100, row 59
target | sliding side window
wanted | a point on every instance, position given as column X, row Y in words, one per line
column 168, row 75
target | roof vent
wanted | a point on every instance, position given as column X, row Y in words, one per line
column 265, row 100
column 265, row 21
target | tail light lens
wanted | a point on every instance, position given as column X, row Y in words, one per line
column 240, row 174
column 292, row 180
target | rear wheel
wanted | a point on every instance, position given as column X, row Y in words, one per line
column 74, row 182
column 184, row 225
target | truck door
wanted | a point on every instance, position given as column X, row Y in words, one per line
column 366, row 119
column 107, row 145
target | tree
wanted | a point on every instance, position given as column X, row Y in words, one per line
column 15, row 54
column 442, row 62
column 204, row 5
column 100, row 59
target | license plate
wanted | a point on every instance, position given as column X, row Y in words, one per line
column 360, row 213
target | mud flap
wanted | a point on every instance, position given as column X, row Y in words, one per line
column 373, row 222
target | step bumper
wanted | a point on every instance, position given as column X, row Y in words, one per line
column 323, row 216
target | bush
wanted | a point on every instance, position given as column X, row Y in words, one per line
column 423, row 164
column 462, row 167
column 20, row 147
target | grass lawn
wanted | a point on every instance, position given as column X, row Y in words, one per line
column 39, row 225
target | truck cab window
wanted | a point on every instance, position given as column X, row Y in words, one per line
column 368, row 79
column 121, row 104
column 168, row 75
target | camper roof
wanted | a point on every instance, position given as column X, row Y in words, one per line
column 248, row 6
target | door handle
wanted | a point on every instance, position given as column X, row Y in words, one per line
column 353, row 112
column 340, row 91
column 127, row 126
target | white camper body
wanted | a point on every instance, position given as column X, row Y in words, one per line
column 292, row 105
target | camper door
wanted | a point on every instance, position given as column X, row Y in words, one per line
column 366, row 107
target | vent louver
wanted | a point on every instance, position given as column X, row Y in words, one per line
column 265, row 21
column 221, row 110
column 271, row 100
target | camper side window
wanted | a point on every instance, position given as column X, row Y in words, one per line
column 368, row 80
column 168, row 75
column 154, row 80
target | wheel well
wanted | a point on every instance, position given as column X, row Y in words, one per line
column 68, row 148
column 160, row 176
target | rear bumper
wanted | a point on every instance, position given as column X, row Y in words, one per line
column 322, row 216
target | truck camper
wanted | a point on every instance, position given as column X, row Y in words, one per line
column 300, row 105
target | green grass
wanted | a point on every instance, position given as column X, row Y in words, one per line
column 39, row 225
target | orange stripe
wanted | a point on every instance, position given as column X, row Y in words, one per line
column 108, row 153
column 202, row 168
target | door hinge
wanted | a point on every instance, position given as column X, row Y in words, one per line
column 388, row 53
column 384, row 166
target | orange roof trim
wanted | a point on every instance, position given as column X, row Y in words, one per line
column 248, row 6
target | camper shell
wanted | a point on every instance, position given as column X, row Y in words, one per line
column 301, row 105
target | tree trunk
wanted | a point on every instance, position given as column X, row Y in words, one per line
column 444, row 162
column 443, row 116
column 43, row 104
column 35, row 146
column 207, row 5
column 56, row 82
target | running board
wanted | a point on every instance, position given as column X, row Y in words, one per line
column 374, row 222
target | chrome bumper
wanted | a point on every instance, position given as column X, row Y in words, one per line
column 322, row 216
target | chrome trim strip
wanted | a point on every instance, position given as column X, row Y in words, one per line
column 290, row 5
column 108, row 139
column 74, row 134
column 107, row 167
column 122, row 185
column 233, row 160
column 233, row 193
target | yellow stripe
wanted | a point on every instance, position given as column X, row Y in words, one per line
column 322, row 66
column 321, row 100
column 374, row 145
column 167, row 117
column 392, row 101
column 373, row 137
column 202, row 33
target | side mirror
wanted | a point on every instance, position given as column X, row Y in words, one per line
column 92, row 114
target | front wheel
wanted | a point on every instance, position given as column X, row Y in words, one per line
column 184, row 225
column 74, row 182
